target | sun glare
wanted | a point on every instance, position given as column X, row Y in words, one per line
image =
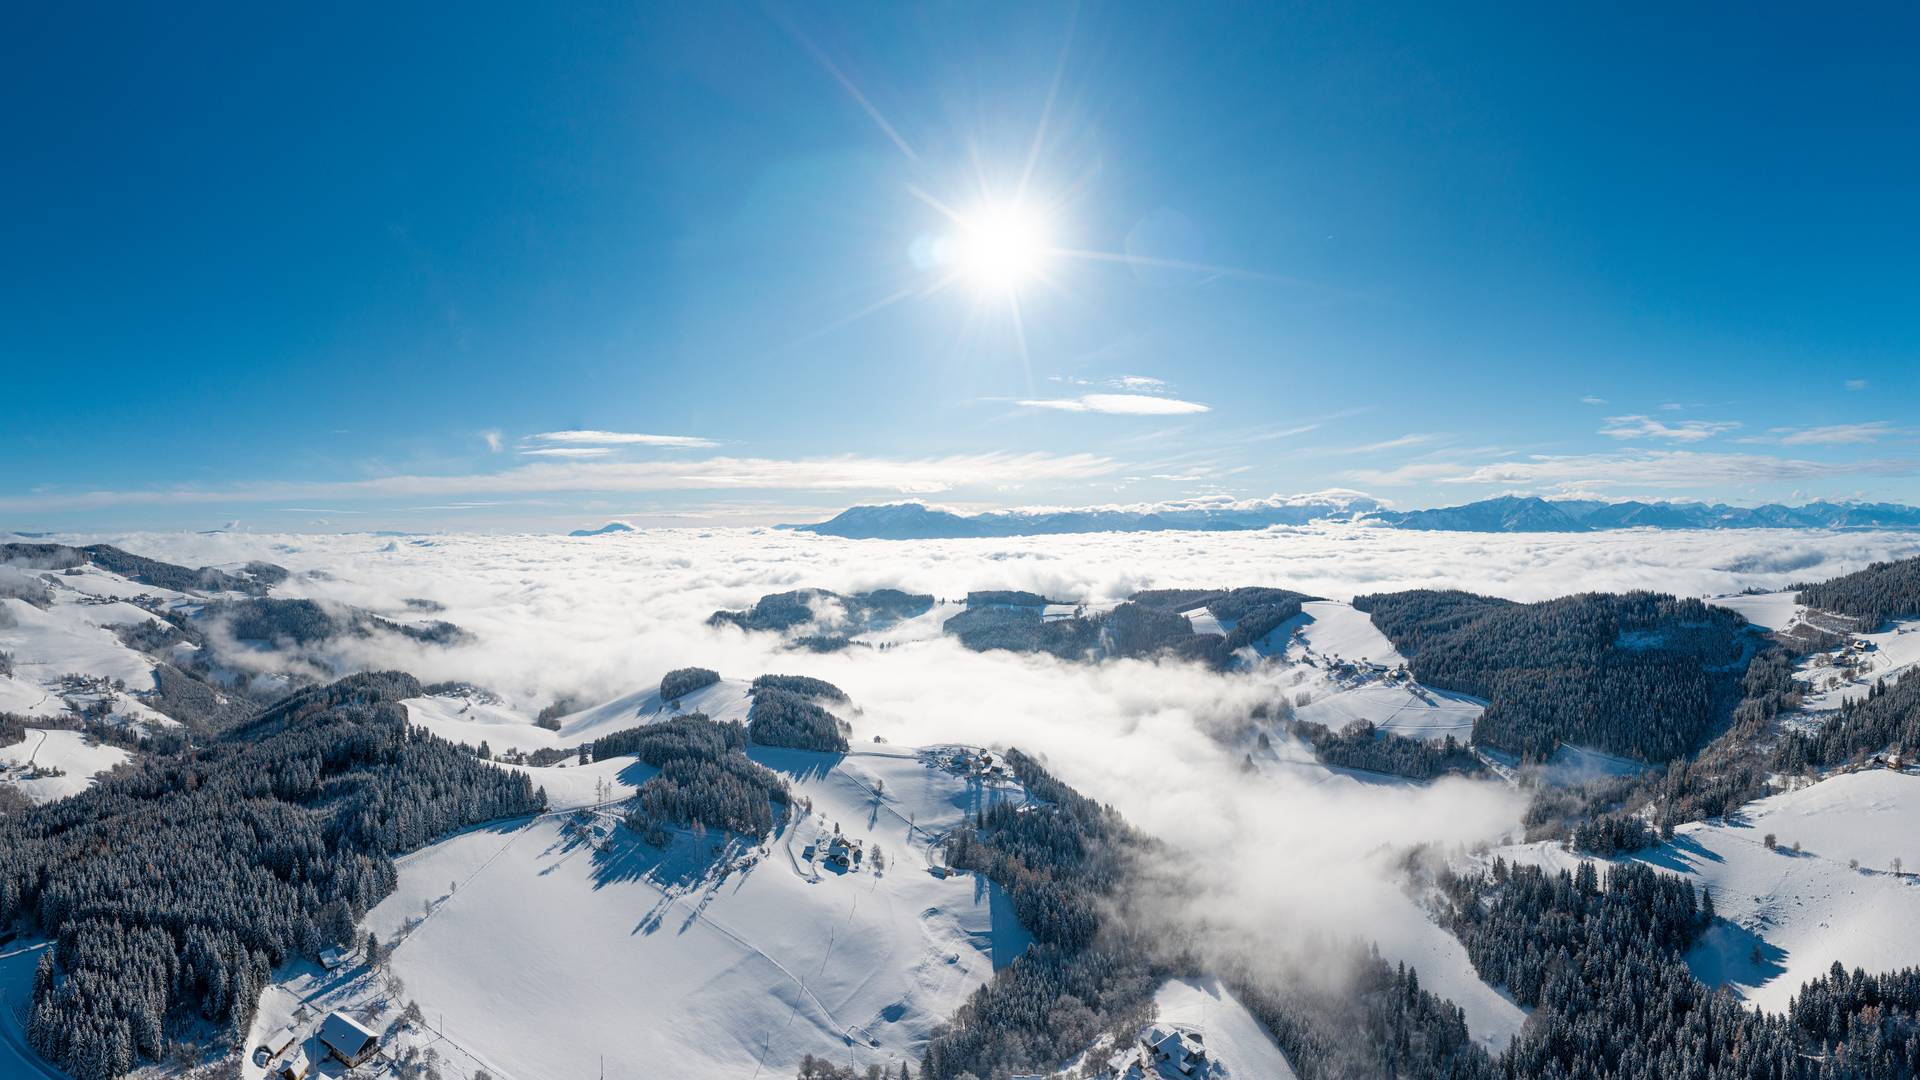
column 1001, row 247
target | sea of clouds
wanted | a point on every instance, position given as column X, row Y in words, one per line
column 1264, row 858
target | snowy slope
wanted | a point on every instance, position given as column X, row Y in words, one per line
column 1238, row 1046
column 1340, row 659
column 505, row 728
column 1894, row 651
column 1233, row 1037
column 74, row 636
column 28, row 764
column 1418, row 712
column 563, row 930
column 17, row 963
column 1771, row 610
column 1342, row 630
column 1803, row 910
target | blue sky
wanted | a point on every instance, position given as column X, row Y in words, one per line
column 381, row 268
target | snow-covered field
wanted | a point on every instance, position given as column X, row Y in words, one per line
column 1892, row 652
column 568, row 939
column 1770, row 610
column 1787, row 915
column 1343, row 631
column 503, row 727
column 1233, row 1037
column 1329, row 633
column 49, row 765
column 1238, row 1046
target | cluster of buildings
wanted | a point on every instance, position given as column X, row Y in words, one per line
column 1163, row 1052
column 975, row 764
column 838, row 851
column 340, row 1037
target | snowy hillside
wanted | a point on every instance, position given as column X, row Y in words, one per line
column 563, row 929
column 473, row 720
column 1198, row 1030
column 49, row 765
column 1787, row 915
column 1346, row 671
column 1847, row 673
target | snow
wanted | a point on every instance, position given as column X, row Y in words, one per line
column 1417, row 712
column 1769, row 610
column 17, row 962
column 1335, row 629
column 1327, row 630
column 572, row 786
column 565, row 928
column 69, row 751
column 1568, row 765
column 23, row 698
column 1237, row 1044
column 1233, row 1037
column 1895, row 651
column 1493, row 1018
column 503, row 727
column 72, row 637
column 1802, row 910
column 1206, row 622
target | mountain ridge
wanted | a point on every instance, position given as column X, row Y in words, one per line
column 1503, row 514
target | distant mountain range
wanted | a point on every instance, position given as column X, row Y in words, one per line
column 1507, row 514
column 914, row 521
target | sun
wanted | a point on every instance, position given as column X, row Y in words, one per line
column 1001, row 246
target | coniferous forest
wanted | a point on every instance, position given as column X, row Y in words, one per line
column 172, row 888
column 1882, row 591
column 1636, row 674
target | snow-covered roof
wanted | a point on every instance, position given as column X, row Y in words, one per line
column 344, row 1034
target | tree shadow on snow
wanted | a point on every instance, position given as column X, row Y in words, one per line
column 1681, row 854
column 800, row 765
column 1727, row 953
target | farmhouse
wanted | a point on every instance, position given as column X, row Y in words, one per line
column 333, row 958
column 348, row 1040
column 1183, row 1051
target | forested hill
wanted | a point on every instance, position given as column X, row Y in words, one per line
column 174, row 887
column 1639, row 674
column 1888, row 590
column 255, row 578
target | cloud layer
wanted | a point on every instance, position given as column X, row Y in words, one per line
column 1266, row 859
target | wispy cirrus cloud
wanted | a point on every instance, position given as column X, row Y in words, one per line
column 1856, row 385
column 1414, row 438
column 1828, row 434
column 1593, row 399
column 621, row 438
column 1669, row 469
column 1119, row 405
column 1646, row 427
column 566, row 451
column 1663, row 469
column 998, row 471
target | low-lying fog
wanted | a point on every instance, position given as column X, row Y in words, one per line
column 1268, row 854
